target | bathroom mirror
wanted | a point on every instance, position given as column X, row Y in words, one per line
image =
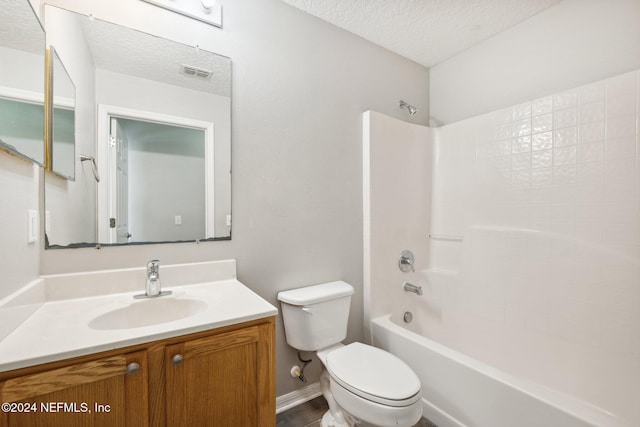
column 22, row 77
column 153, row 139
column 62, row 136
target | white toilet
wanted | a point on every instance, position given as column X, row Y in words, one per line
column 361, row 383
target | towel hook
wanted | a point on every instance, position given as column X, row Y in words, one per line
column 84, row 157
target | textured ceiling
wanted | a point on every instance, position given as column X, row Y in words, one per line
column 425, row 31
column 20, row 29
column 126, row 51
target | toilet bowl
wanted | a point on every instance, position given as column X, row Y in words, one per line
column 361, row 383
column 373, row 385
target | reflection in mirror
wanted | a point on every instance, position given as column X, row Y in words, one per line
column 163, row 138
column 160, row 168
column 22, row 68
column 63, row 126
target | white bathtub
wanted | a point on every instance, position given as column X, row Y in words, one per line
column 461, row 391
column 535, row 329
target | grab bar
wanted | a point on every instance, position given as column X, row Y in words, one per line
column 449, row 237
column 84, row 157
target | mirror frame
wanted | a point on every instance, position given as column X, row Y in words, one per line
column 49, row 113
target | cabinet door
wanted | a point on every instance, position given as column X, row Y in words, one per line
column 222, row 380
column 96, row 393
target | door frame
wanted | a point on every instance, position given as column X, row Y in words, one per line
column 105, row 112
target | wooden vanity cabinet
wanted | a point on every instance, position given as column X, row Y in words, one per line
column 110, row 391
column 229, row 371
column 222, row 377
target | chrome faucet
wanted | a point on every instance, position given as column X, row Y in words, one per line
column 408, row 287
column 153, row 287
column 406, row 261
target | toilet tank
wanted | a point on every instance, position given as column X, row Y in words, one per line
column 316, row 317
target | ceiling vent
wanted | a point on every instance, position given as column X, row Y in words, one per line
column 195, row 71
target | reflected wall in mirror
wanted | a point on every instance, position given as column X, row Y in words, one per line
column 22, row 78
column 62, row 146
column 163, row 146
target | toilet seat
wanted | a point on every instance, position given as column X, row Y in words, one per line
column 374, row 374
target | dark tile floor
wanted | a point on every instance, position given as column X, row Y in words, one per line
column 309, row 414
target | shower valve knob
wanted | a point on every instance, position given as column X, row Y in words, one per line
column 406, row 262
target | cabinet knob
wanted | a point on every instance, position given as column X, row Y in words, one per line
column 132, row 368
column 177, row 359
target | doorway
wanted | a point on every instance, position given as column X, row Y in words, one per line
column 159, row 172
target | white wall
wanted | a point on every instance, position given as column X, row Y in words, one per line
column 397, row 163
column 162, row 187
column 567, row 45
column 19, row 260
column 64, row 147
column 167, row 178
column 299, row 89
column 28, row 76
column 547, row 196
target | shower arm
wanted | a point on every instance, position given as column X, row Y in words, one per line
column 84, row 158
column 410, row 108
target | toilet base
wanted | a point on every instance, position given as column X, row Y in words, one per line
column 329, row 421
column 335, row 416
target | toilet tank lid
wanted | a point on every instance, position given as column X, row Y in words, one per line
column 316, row 293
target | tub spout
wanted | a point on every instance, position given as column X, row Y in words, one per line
column 408, row 287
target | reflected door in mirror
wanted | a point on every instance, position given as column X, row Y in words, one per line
column 119, row 183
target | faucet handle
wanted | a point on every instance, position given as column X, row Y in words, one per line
column 406, row 261
column 152, row 286
column 153, row 267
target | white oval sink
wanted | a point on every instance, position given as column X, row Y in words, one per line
column 148, row 312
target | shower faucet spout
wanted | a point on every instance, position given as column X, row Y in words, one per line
column 408, row 287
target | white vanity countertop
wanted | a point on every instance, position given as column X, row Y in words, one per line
column 62, row 328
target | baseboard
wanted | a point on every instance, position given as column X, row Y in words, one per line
column 297, row 397
column 438, row 416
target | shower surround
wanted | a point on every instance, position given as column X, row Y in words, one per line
column 544, row 283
